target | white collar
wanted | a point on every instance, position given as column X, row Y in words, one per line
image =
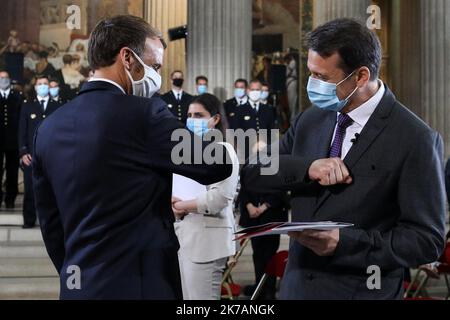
column 362, row 114
column 7, row 92
column 176, row 92
column 39, row 98
column 244, row 99
column 109, row 81
column 254, row 104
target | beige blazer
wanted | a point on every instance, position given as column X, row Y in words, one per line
column 208, row 235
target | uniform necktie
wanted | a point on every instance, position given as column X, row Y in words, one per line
column 43, row 105
column 344, row 121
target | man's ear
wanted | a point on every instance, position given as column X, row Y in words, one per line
column 363, row 76
column 126, row 57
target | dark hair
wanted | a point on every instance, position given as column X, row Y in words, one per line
column 41, row 76
column 241, row 81
column 176, row 71
column 53, row 80
column 213, row 105
column 43, row 54
column 67, row 59
column 111, row 35
column 201, row 78
column 356, row 45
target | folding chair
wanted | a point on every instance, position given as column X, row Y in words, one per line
column 275, row 268
column 416, row 290
column 230, row 289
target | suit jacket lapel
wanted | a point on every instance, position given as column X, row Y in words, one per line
column 325, row 135
column 377, row 123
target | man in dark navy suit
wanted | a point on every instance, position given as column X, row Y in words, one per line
column 32, row 115
column 103, row 171
column 10, row 106
column 177, row 100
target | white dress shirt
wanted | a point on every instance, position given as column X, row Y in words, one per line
column 109, row 81
column 178, row 94
column 5, row 93
column 45, row 99
column 360, row 117
column 241, row 101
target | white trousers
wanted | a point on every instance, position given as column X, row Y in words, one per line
column 201, row 281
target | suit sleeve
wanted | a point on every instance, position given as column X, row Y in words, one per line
column 418, row 238
column 23, row 132
column 292, row 173
column 47, row 211
column 162, row 147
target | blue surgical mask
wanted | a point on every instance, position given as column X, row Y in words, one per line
column 54, row 92
column 324, row 94
column 42, row 90
column 239, row 93
column 264, row 95
column 202, row 89
column 198, row 126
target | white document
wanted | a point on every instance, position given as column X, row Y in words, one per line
column 186, row 189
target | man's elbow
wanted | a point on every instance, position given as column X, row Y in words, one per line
column 216, row 173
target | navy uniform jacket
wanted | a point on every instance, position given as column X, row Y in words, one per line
column 31, row 117
column 247, row 118
column 9, row 122
column 102, row 175
column 178, row 108
column 230, row 108
column 396, row 202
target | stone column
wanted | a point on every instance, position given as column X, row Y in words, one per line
column 435, row 66
column 219, row 43
column 166, row 14
column 327, row 10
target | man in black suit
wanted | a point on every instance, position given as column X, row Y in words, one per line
column 103, row 170
column 10, row 104
column 55, row 92
column 259, row 209
column 240, row 98
column 177, row 100
column 356, row 156
column 32, row 115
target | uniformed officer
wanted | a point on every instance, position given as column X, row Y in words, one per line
column 240, row 98
column 55, row 92
column 177, row 100
column 32, row 115
column 254, row 114
column 10, row 104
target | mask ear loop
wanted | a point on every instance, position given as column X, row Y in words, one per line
column 353, row 92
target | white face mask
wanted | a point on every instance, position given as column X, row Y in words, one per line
column 255, row 96
column 149, row 84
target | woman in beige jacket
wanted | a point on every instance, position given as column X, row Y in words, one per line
column 206, row 236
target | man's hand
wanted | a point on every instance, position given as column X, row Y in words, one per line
column 322, row 243
column 179, row 214
column 26, row 160
column 329, row 172
column 253, row 211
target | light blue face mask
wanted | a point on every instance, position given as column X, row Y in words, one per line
column 239, row 93
column 54, row 92
column 198, row 126
column 202, row 89
column 324, row 94
column 264, row 95
column 42, row 90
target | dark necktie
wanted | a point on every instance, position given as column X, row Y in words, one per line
column 43, row 105
column 344, row 121
column 179, row 96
